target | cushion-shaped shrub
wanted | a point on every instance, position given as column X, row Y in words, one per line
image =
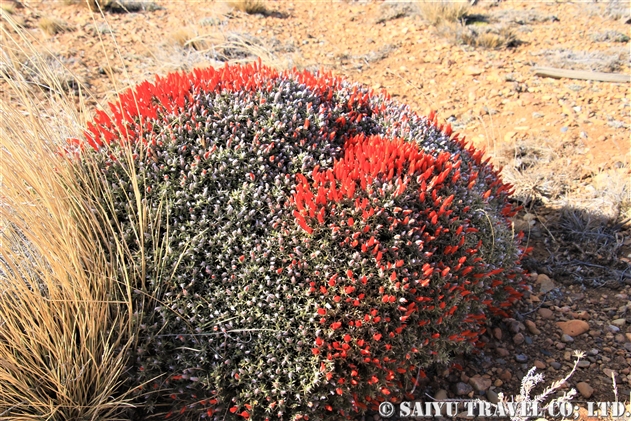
column 324, row 243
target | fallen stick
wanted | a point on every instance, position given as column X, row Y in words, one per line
column 582, row 74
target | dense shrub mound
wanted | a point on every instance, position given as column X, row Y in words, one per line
column 325, row 244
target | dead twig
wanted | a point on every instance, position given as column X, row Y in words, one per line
column 582, row 74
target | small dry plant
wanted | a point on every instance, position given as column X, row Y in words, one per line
column 437, row 12
column 250, row 7
column 618, row 10
column 119, row 6
column 530, row 381
column 225, row 47
column 53, row 26
column 537, row 168
column 30, row 67
column 483, row 36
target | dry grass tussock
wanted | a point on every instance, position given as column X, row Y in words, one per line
column 187, row 51
column 53, row 26
column 115, row 6
column 249, row 6
column 65, row 311
column 188, row 38
column 438, row 12
column 484, row 36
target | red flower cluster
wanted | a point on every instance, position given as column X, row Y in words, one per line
column 426, row 181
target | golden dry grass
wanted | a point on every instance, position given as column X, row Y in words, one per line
column 66, row 314
column 187, row 38
column 437, row 12
column 62, row 337
column 98, row 5
column 7, row 7
column 53, row 26
column 249, row 6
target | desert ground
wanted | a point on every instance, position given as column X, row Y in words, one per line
column 563, row 142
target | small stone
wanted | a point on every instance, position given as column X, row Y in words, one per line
column 584, row 364
column 521, row 358
column 540, row 365
column 559, row 345
column 462, row 389
column 492, row 396
column 595, row 333
column 532, row 327
column 608, row 372
column 628, row 335
column 473, row 71
column 502, row 352
column 613, row 328
column 506, row 375
column 518, row 339
column 593, row 351
column 545, row 283
column 627, row 346
column 556, row 365
column 514, row 326
column 585, row 389
column 584, row 315
column 441, row 395
column 619, row 338
column 567, row 338
column 498, row 383
column 497, row 333
column 618, row 322
column 545, row 313
column 480, row 384
column 574, row 327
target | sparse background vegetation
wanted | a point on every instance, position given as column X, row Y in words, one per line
column 564, row 144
